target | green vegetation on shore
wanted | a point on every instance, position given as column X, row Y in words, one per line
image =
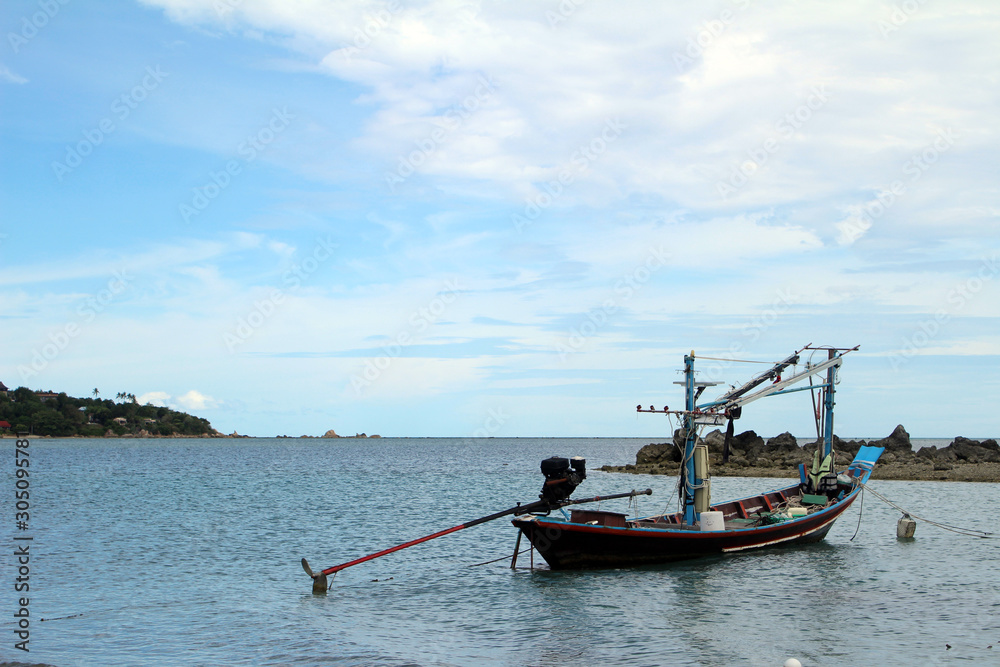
column 59, row 415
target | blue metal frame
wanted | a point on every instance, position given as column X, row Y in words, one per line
column 691, row 433
column 692, row 438
column 831, row 376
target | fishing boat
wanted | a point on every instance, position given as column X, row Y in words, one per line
column 799, row 513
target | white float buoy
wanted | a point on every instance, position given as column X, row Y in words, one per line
column 792, row 662
column 905, row 527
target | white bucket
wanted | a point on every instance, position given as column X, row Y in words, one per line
column 712, row 521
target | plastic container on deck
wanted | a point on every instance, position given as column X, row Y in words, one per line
column 712, row 521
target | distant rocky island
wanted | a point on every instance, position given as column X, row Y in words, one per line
column 58, row 415
column 751, row 456
column 46, row 413
column 333, row 434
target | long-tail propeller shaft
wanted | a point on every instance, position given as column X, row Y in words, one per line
column 554, row 495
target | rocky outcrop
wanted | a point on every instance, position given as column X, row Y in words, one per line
column 657, row 454
column 784, row 450
column 749, row 445
column 715, row 440
column 963, row 450
column 897, row 447
column 848, row 447
column 333, row 434
column 897, row 442
column 746, row 448
column 785, row 442
column 963, row 459
column 749, row 449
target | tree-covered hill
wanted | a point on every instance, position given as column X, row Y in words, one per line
column 47, row 413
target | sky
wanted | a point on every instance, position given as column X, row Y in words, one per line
column 471, row 219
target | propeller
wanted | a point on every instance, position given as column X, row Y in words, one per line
column 320, row 584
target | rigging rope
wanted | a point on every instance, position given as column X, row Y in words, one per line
column 740, row 361
column 816, row 408
column 971, row 532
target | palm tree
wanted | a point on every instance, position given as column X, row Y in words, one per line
column 96, row 393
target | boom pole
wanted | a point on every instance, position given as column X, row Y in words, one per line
column 320, row 578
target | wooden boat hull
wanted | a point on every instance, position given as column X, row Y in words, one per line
column 566, row 545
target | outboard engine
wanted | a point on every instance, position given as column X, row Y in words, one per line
column 562, row 476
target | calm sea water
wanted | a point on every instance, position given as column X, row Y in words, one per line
column 186, row 552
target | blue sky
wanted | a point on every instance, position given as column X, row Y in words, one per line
column 509, row 219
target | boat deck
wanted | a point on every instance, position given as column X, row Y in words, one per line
column 750, row 512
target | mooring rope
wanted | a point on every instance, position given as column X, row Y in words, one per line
column 861, row 509
column 971, row 532
column 154, row 605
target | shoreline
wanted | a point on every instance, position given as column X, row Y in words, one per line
column 203, row 436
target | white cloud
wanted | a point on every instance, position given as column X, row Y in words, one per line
column 192, row 401
column 160, row 399
column 113, row 264
column 720, row 241
column 195, row 400
column 9, row 77
column 699, row 95
column 402, row 377
column 281, row 249
column 854, row 226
